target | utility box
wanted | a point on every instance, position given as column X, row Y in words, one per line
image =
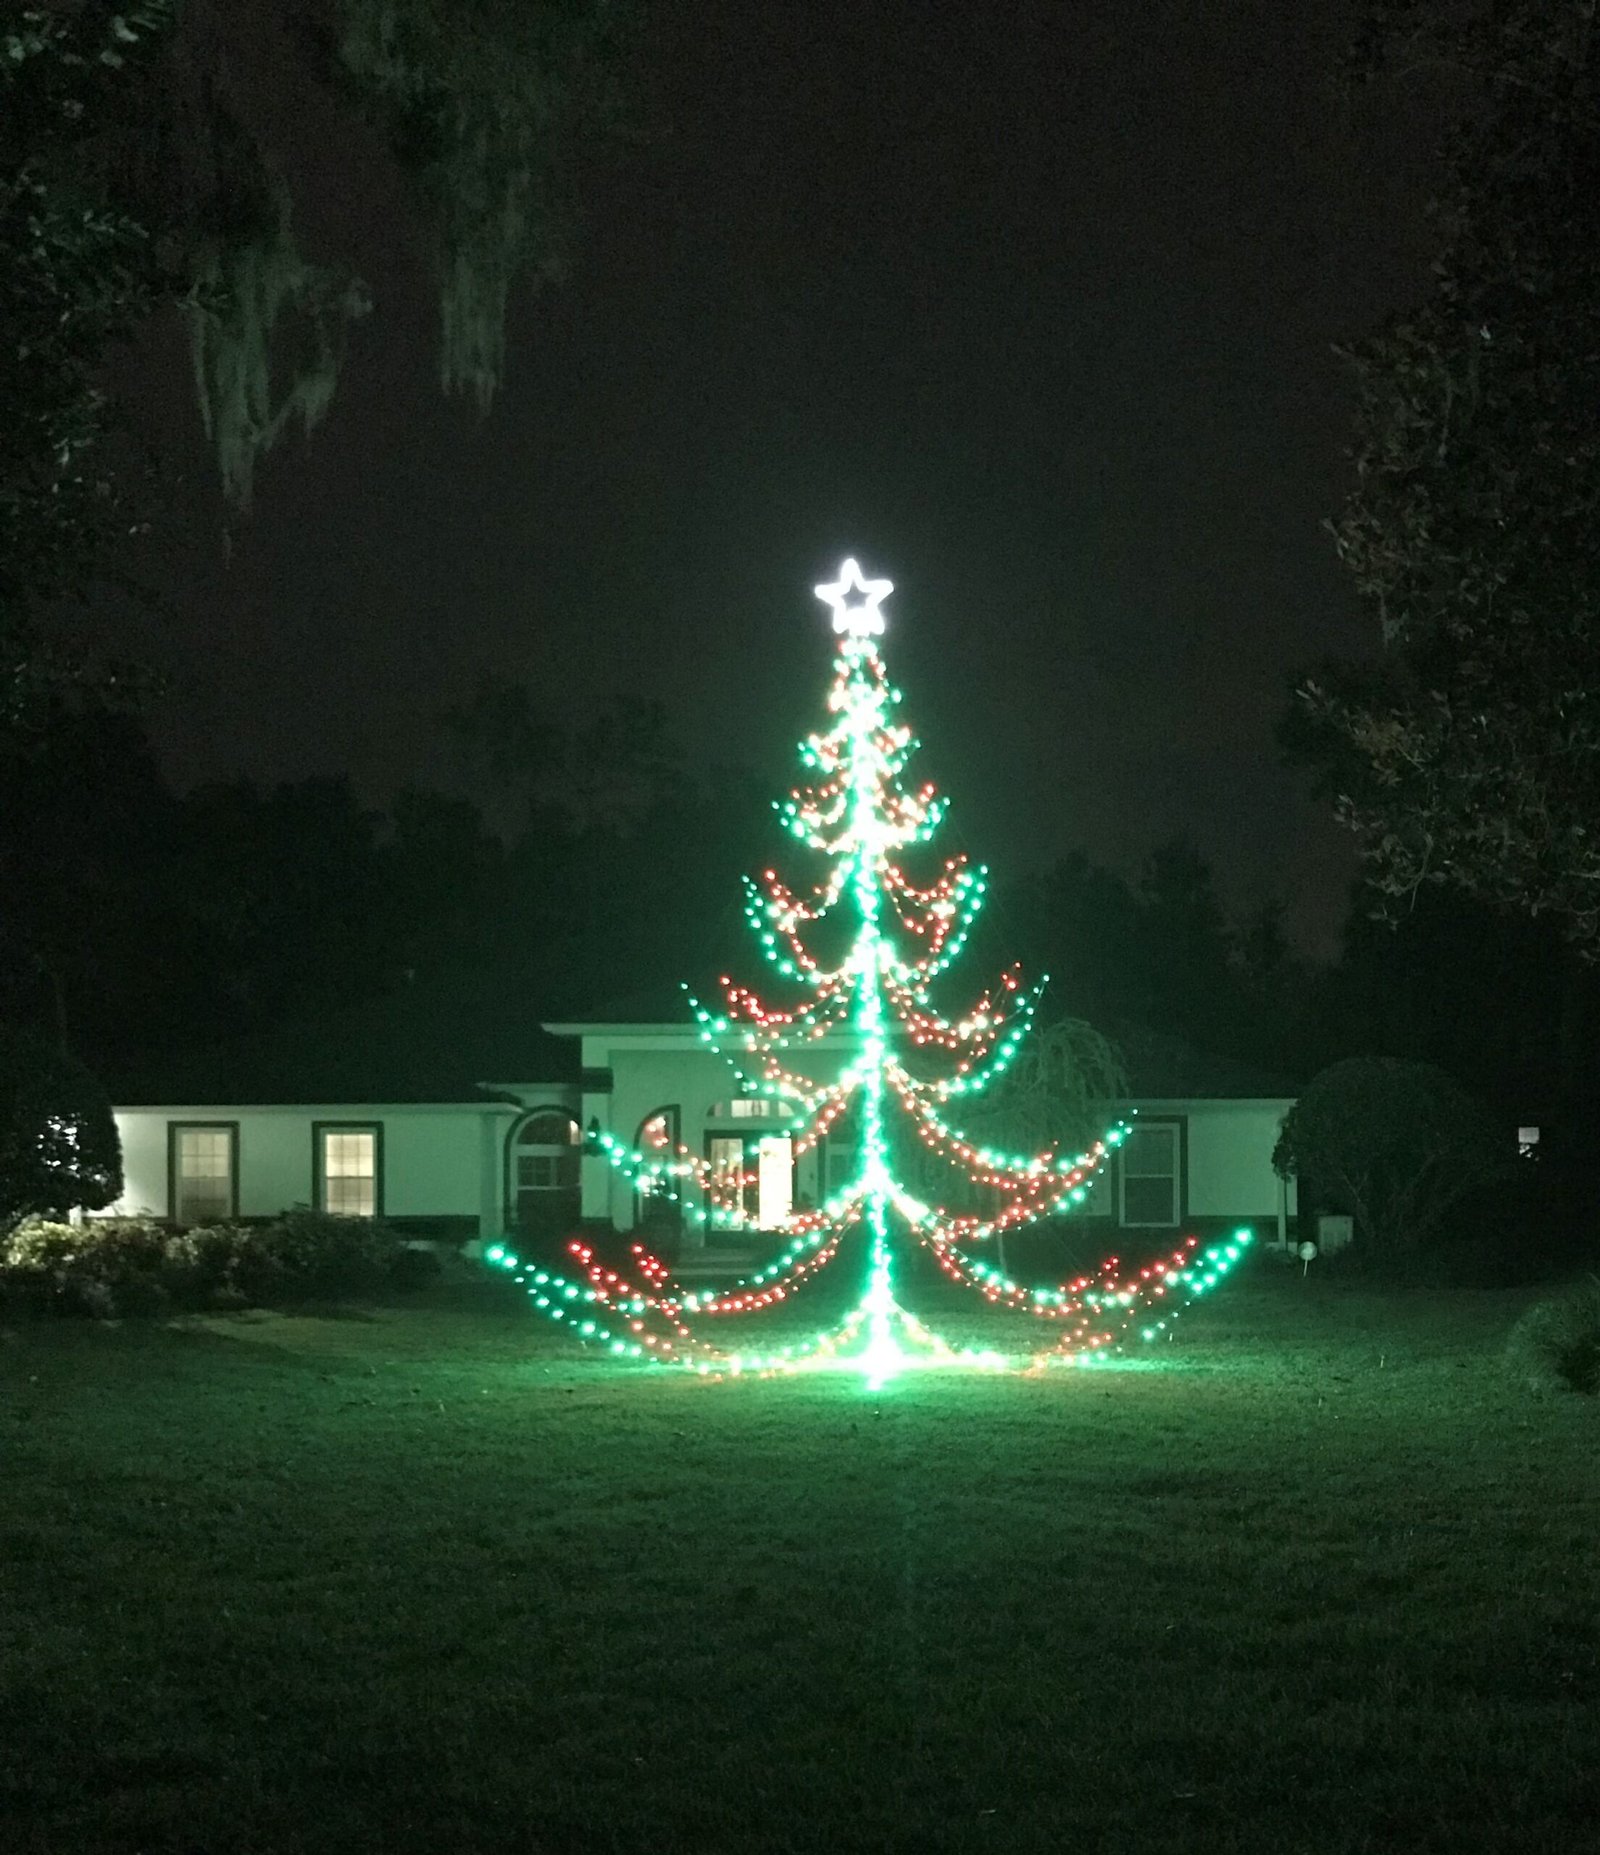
column 1334, row 1234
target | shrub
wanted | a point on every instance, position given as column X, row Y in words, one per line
column 1555, row 1346
column 102, row 1267
column 1394, row 1144
column 109, row 1266
column 207, row 1265
column 413, row 1269
column 310, row 1254
column 59, row 1149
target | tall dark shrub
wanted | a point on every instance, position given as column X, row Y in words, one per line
column 58, row 1141
column 1396, row 1145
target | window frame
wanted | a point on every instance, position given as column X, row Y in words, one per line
column 737, row 1109
column 574, row 1144
column 672, row 1113
column 669, row 1111
column 319, row 1177
column 1179, row 1123
column 174, row 1130
column 1105, row 1184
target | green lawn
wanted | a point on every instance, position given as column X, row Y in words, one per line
column 1316, row 1578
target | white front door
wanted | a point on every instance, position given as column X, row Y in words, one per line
column 752, row 1174
column 774, row 1181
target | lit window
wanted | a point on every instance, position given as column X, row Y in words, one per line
column 1149, row 1168
column 347, row 1170
column 204, row 1163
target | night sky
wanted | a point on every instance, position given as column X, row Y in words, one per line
column 1031, row 307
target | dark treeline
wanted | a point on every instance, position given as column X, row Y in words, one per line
column 589, row 864
column 140, row 923
column 1500, row 1001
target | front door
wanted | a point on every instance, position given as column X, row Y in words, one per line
column 752, row 1175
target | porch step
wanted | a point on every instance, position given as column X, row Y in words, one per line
column 712, row 1264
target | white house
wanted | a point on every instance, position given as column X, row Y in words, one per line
column 435, row 1130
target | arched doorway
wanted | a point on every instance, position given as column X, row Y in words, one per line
column 544, row 1152
column 658, row 1212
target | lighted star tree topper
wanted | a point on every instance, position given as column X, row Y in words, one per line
column 873, row 1009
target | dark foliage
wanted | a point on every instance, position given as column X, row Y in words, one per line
column 102, row 1269
column 58, row 1141
column 78, row 272
column 107, row 1267
column 96, row 927
column 1470, row 752
column 1157, row 954
column 482, row 105
column 1555, row 1346
column 1395, row 1145
column 414, row 1269
column 1494, row 998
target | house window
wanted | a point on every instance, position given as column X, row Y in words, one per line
column 1149, row 1176
column 545, row 1154
column 657, row 1137
column 655, row 1200
column 349, row 1168
column 203, row 1158
column 751, row 1108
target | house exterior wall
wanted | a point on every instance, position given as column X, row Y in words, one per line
column 654, row 1067
column 1228, row 1160
column 439, row 1162
column 1227, row 1144
column 1230, row 1155
column 652, row 1070
column 450, row 1161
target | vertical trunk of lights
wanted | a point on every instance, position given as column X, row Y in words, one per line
column 881, row 1355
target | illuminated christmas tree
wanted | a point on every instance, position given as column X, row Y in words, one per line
column 902, row 1071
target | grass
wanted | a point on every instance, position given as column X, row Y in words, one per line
column 1318, row 1579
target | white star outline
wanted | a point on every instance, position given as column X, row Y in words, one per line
column 859, row 621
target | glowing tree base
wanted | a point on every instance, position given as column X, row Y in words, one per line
column 860, row 816
column 1097, row 1320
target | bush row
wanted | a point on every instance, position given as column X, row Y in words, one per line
column 108, row 1267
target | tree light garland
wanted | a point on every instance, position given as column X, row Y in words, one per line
column 859, row 815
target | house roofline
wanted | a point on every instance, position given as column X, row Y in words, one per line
column 653, row 1027
column 476, row 1104
column 1134, row 1099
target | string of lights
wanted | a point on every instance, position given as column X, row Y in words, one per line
column 873, row 1011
